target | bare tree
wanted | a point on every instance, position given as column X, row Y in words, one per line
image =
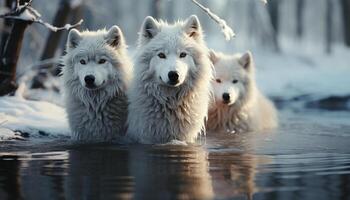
column 329, row 29
column 273, row 11
column 273, row 8
column 22, row 15
column 53, row 39
column 299, row 15
column 10, row 55
column 52, row 43
column 156, row 9
column 346, row 17
column 9, row 4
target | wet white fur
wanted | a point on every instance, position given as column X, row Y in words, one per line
column 248, row 109
column 158, row 112
column 96, row 115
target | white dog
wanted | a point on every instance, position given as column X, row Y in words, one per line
column 96, row 74
column 239, row 106
column 170, row 92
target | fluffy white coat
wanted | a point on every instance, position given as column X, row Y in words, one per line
column 96, row 73
column 239, row 106
column 162, row 108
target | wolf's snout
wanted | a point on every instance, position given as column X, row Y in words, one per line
column 173, row 77
column 226, row 97
column 89, row 81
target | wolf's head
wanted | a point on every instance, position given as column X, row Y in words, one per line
column 170, row 53
column 234, row 78
column 96, row 59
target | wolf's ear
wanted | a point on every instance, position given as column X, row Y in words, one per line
column 114, row 37
column 213, row 56
column 74, row 38
column 149, row 29
column 246, row 60
column 193, row 27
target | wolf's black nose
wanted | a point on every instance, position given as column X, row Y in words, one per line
column 226, row 97
column 173, row 77
column 89, row 80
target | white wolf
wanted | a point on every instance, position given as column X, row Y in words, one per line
column 239, row 106
column 96, row 73
column 170, row 91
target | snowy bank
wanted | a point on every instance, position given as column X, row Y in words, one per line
column 293, row 75
column 31, row 118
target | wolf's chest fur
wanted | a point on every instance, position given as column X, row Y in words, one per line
column 227, row 119
column 168, row 118
column 98, row 121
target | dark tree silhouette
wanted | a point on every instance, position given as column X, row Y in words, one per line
column 9, row 4
column 273, row 11
column 299, row 15
column 10, row 54
column 53, row 39
column 329, row 29
column 52, row 43
column 346, row 16
column 273, row 8
column 156, row 9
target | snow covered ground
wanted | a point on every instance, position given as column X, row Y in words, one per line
column 290, row 75
column 21, row 117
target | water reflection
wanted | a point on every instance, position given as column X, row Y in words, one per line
column 9, row 173
column 234, row 174
column 171, row 172
column 159, row 172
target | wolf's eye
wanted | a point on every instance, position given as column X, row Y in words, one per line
column 82, row 61
column 235, row 81
column 183, row 54
column 101, row 61
column 161, row 55
column 218, row 80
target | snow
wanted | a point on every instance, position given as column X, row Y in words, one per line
column 36, row 118
column 292, row 75
column 7, row 134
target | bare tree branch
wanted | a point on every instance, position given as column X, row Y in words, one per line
column 225, row 29
column 29, row 14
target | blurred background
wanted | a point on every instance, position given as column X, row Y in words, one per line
column 300, row 46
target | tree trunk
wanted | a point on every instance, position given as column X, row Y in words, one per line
column 53, row 40
column 346, row 17
column 10, row 56
column 273, row 10
column 156, row 9
column 52, row 43
column 328, row 26
column 299, row 15
column 9, row 4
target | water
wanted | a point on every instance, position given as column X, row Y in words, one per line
column 308, row 157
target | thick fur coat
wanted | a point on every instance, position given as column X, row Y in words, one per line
column 96, row 74
column 163, row 108
column 239, row 106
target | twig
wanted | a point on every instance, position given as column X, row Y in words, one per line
column 264, row 1
column 27, row 13
column 55, row 29
column 43, row 63
column 3, row 122
column 225, row 29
